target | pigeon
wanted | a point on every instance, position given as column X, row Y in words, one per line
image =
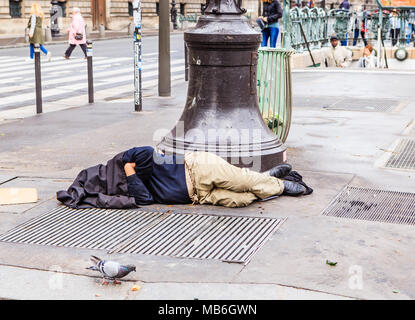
column 110, row 270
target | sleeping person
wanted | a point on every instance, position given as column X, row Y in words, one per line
column 142, row 176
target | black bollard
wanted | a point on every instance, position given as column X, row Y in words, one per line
column 164, row 77
column 186, row 64
column 38, row 80
column 90, row 72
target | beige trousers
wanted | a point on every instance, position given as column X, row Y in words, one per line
column 217, row 182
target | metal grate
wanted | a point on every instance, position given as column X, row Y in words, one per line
column 232, row 239
column 84, row 228
column 334, row 103
column 361, row 105
column 403, row 157
column 373, row 205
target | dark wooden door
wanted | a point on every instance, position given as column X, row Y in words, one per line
column 98, row 13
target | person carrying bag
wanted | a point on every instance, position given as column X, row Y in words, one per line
column 76, row 33
column 271, row 12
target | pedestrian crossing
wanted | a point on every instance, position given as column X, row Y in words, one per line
column 65, row 82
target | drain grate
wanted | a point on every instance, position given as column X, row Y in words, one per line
column 334, row 103
column 373, row 205
column 403, row 157
column 362, row 105
column 231, row 239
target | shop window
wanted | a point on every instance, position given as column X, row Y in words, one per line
column 182, row 5
column 157, row 8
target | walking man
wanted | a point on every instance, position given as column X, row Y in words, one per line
column 360, row 27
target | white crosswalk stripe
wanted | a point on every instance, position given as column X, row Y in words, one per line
column 64, row 83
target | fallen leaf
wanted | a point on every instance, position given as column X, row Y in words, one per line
column 395, row 291
column 331, row 263
column 97, row 295
column 135, row 288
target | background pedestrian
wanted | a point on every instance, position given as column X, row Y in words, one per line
column 36, row 31
column 271, row 12
column 76, row 33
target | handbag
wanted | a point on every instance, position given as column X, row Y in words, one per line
column 261, row 23
column 79, row 36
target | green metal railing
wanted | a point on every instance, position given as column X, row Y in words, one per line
column 188, row 17
column 320, row 23
column 275, row 89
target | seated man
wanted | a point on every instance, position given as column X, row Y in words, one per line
column 337, row 56
column 368, row 60
column 141, row 176
column 200, row 177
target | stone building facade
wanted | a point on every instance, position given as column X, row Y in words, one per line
column 114, row 14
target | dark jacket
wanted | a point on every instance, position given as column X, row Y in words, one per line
column 345, row 5
column 100, row 186
column 159, row 178
column 272, row 11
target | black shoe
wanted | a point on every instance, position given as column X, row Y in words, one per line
column 280, row 171
column 293, row 188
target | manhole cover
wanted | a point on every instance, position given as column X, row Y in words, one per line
column 403, row 156
column 373, row 205
column 226, row 238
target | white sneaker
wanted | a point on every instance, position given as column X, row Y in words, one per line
column 49, row 55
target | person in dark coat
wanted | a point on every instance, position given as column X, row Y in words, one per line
column 345, row 5
column 271, row 12
column 142, row 176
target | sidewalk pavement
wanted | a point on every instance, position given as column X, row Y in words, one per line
column 330, row 148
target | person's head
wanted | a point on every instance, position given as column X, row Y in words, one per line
column 76, row 10
column 268, row 1
column 36, row 9
column 334, row 41
column 367, row 51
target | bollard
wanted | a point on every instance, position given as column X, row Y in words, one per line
column 101, row 31
column 88, row 31
column 26, row 35
column 186, row 64
column 38, row 80
column 164, row 77
column 131, row 28
column 138, row 96
column 90, row 72
column 48, row 34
